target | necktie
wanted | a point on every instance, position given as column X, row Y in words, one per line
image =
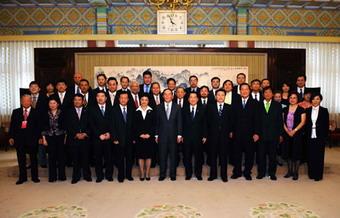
column 192, row 113
column 180, row 102
column 157, row 100
column 147, row 88
column 267, row 105
column 256, row 97
column 167, row 111
column 124, row 114
column 300, row 94
column 78, row 90
column 112, row 99
column 85, row 101
column 244, row 103
column 136, row 101
column 102, row 110
column 79, row 113
column 61, row 98
column 25, row 114
column 220, row 110
column 34, row 101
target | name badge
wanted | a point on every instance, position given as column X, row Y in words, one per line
column 24, row 124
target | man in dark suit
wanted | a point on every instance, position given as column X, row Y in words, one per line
column 24, row 133
column 215, row 85
column 85, row 90
column 39, row 103
column 271, row 130
column 255, row 87
column 101, row 84
column 179, row 97
column 63, row 97
column 135, row 94
column 245, row 132
column 301, row 86
column 100, row 122
column 78, row 131
column 74, row 87
column 240, row 79
column 168, row 132
column 219, row 127
column 194, row 135
column 204, row 96
column 155, row 95
column 112, row 85
column 193, row 86
column 147, row 80
column 122, row 120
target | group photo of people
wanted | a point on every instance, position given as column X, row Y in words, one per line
column 250, row 128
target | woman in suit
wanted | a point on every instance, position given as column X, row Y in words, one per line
column 317, row 125
column 144, row 124
column 294, row 118
column 53, row 135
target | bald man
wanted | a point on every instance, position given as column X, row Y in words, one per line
column 135, row 94
column 24, row 135
column 74, row 87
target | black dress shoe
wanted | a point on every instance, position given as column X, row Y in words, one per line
column 316, row 180
column 129, row 178
column 99, row 180
column 211, row 178
column 52, row 180
column 62, row 179
column 199, row 178
column 234, row 176
column 21, row 181
column 273, row 177
column 295, row 177
column 161, row 178
column 120, row 180
column 74, row 181
column 248, row 177
column 187, row 177
column 259, row 177
column 36, row 180
column 147, row 178
column 110, row 179
column 173, row 178
column 141, row 178
column 287, row 175
column 225, row 179
column 88, row 179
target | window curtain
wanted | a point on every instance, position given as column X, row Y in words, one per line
column 322, row 70
column 17, row 70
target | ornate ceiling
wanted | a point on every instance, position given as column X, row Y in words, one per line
column 306, row 4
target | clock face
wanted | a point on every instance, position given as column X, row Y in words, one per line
column 172, row 22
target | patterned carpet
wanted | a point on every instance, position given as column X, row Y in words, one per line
column 281, row 210
column 60, row 211
column 169, row 211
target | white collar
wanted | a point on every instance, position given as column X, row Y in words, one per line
column 102, row 105
column 28, row 109
column 245, row 99
column 122, row 107
column 316, row 108
column 141, row 109
column 218, row 104
column 191, row 106
column 113, row 93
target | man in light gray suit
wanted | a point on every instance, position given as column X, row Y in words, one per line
column 168, row 133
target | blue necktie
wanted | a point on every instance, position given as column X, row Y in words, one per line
column 102, row 110
column 220, row 110
column 124, row 114
column 244, row 104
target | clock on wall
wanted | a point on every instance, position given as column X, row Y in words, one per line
column 171, row 22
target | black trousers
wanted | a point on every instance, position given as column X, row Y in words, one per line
column 56, row 157
column 193, row 148
column 316, row 156
column 219, row 148
column 267, row 148
column 244, row 145
column 103, row 154
column 80, row 155
column 167, row 147
column 124, row 160
column 22, row 150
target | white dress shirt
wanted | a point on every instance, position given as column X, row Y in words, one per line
column 256, row 95
column 112, row 96
column 228, row 97
column 314, row 118
column 61, row 96
column 180, row 103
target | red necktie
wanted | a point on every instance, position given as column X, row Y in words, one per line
column 136, row 101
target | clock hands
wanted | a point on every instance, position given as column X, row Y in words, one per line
column 171, row 21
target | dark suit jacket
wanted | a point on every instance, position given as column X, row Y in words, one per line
column 271, row 122
column 100, row 124
column 322, row 123
column 28, row 136
column 168, row 128
column 211, row 97
column 116, row 100
column 45, row 121
column 152, row 101
column 217, row 124
column 144, row 126
column 41, row 105
column 235, row 89
column 91, row 99
column 67, row 102
column 194, row 129
column 246, row 121
column 75, row 125
column 122, row 131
